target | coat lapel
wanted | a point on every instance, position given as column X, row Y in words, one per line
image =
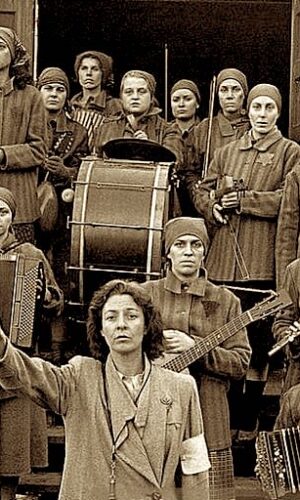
column 128, row 443
column 156, row 399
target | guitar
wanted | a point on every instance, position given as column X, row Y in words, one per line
column 270, row 305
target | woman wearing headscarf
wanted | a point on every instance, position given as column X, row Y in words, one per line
column 185, row 103
column 231, row 121
column 140, row 117
column 23, row 429
column 131, row 450
column 23, row 129
column 240, row 198
column 191, row 308
column 67, row 146
column 94, row 72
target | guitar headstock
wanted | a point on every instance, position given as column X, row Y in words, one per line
column 271, row 305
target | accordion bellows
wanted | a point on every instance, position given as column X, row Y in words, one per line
column 278, row 461
column 19, row 278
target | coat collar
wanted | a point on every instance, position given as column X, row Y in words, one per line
column 8, row 87
column 10, row 243
column 263, row 144
column 196, row 287
column 226, row 126
column 98, row 102
column 61, row 122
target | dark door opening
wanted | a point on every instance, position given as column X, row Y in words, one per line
column 202, row 36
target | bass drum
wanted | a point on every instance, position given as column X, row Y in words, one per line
column 120, row 208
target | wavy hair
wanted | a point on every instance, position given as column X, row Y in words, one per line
column 152, row 344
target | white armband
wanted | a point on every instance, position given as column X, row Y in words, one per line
column 194, row 455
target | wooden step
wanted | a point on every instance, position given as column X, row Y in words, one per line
column 48, row 482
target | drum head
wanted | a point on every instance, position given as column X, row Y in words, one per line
column 138, row 149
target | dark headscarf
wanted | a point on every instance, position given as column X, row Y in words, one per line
column 53, row 74
column 19, row 55
column 141, row 74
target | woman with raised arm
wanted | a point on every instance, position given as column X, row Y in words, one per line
column 128, row 422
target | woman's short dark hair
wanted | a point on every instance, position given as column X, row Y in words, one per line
column 152, row 341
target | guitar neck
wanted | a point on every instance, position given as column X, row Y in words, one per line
column 206, row 344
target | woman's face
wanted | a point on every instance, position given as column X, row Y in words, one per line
column 135, row 95
column 123, row 324
column 54, row 96
column 186, row 255
column 184, row 104
column 90, row 73
column 263, row 115
column 5, row 56
column 5, row 218
column 231, row 96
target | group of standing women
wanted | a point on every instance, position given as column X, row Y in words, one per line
column 141, row 421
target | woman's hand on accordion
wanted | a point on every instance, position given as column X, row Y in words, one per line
column 40, row 290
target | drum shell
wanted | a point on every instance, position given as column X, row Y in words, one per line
column 120, row 208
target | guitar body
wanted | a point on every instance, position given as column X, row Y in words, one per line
column 270, row 305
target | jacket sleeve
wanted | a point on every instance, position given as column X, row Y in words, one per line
column 202, row 193
column 171, row 140
column 32, row 152
column 288, row 229
column 285, row 318
column 73, row 161
column 230, row 359
column 289, row 412
column 47, row 385
column 194, row 454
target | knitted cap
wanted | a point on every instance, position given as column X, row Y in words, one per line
column 235, row 74
column 105, row 61
column 187, row 84
column 53, row 75
column 141, row 74
column 19, row 55
column 265, row 89
column 182, row 226
column 9, row 199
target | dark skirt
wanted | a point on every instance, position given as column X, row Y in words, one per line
column 23, row 436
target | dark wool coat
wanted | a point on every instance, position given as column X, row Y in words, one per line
column 68, row 140
column 197, row 311
column 91, row 113
column 262, row 166
column 23, row 427
column 223, row 132
column 287, row 246
column 148, row 437
column 289, row 413
column 23, row 131
column 284, row 319
column 188, row 169
column 156, row 128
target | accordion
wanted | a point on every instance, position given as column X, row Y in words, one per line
column 19, row 278
column 278, row 461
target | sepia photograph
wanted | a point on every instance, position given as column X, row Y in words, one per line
column 149, row 249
